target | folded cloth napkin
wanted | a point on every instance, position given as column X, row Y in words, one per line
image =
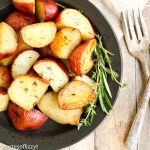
column 111, row 9
column 116, row 6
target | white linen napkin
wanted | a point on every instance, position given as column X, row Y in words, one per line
column 111, row 9
column 116, row 6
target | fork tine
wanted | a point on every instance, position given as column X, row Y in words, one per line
column 125, row 26
column 143, row 25
column 131, row 26
column 137, row 26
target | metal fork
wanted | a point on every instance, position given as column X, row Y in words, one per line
column 137, row 40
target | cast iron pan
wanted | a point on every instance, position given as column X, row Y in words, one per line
column 53, row 136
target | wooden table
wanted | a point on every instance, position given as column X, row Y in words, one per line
column 112, row 133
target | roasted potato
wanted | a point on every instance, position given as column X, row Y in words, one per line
column 25, row 120
column 26, row 90
column 23, row 62
column 76, row 94
column 8, row 40
column 53, row 71
column 5, row 77
column 73, row 18
column 21, row 44
column 4, row 100
column 66, row 40
column 67, row 64
column 27, row 6
column 80, row 59
column 6, row 61
column 18, row 19
column 87, row 80
column 48, row 104
column 46, row 10
column 39, row 35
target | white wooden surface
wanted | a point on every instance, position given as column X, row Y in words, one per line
column 112, row 133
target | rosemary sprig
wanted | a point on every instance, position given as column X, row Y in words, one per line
column 102, row 69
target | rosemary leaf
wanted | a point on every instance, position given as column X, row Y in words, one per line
column 102, row 69
column 106, row 85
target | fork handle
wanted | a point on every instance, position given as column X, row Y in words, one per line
column 144, row 67
column 135, row 130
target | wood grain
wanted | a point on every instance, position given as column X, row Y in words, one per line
column 85, row 144
column 5, row 147
column 138, row 122
column 144, row 141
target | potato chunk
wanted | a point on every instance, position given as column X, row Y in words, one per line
column 23, row 62
column 65, row 42
column 4, row 99
column 48, row 104
column 52, row 71
column 74, row 95
column 26, row 90
column 73, row 18
column 8, row 40
column 39, row 35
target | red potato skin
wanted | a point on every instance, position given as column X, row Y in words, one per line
column 5, row 77
column 20, row 19
column 4, row 55
column 45, row 51
column 2, row 91
column 61, row 65
column 58, row 19
column 25, row 120
column 25, row 7
column 51, row 9
column 32, row 72
column 76, row 57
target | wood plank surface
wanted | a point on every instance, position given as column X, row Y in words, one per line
column 144, row 141
column 85, row 144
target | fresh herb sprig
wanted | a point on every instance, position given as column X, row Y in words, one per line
column 102, row 69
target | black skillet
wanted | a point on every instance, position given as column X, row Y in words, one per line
column 53, row 136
